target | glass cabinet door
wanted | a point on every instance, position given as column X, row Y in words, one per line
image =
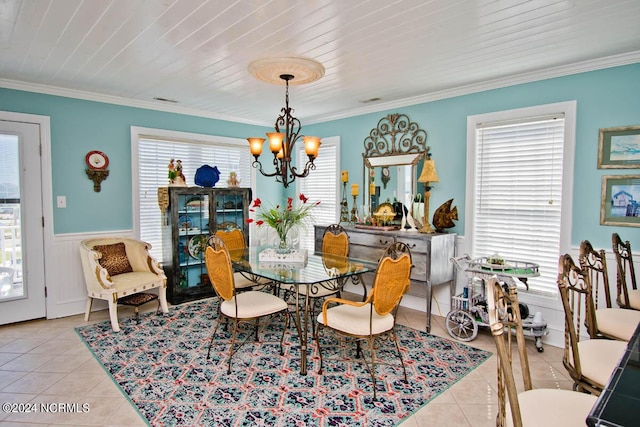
column 229, row 211
column 193, row 230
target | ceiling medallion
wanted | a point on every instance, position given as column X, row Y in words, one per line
column 286, row 71
column 270, row 69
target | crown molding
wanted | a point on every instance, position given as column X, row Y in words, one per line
column 109, row 99
column 533, row 76
column 560, row 71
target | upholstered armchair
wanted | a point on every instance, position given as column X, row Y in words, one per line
column 115, row 267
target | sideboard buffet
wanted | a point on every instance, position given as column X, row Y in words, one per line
column 430, row 253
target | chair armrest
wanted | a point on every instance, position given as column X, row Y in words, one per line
column 96, row 277
column 140, row 259
column 340, row 301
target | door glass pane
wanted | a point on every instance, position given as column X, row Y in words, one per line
column 10, row 236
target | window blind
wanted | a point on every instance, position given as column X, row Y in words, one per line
column 153, row 159
column 518, row 193
column 321, row 184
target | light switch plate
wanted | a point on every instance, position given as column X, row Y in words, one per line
column 62, row 201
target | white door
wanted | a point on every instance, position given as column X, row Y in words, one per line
column 22, row 285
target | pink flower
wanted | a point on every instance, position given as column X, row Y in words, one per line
column 257, row 203
column 303, row 198
column 259, row 222
column 249, row 220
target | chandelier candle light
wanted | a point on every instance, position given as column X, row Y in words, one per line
column 282, row 144
column 428, row 175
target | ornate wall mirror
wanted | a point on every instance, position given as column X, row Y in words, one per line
column 396, row 141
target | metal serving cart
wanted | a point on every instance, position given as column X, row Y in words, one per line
column 469, row 308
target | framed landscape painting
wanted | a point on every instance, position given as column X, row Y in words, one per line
column 619, row 148
column 620, row 204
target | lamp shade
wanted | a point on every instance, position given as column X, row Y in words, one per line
column 311, row 145
column 429, row 173
column 275, row 141
column 255, row 145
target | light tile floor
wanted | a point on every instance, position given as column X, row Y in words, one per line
column 44, row 361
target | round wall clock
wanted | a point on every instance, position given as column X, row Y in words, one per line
column 96, row 160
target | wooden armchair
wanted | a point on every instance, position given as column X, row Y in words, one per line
column 115, row 267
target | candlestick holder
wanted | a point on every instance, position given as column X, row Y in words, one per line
column 354, row 211
column 344, row 204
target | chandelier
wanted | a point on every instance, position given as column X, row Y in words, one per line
column 287, row 127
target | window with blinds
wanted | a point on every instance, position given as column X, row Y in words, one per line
column 153, row 156
column 517, row 193
column 322, row 184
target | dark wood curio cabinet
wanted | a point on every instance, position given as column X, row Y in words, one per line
column 193, row 214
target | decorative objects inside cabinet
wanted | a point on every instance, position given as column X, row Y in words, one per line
column 230, row 210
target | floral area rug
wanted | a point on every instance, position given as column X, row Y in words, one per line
column 160, row 363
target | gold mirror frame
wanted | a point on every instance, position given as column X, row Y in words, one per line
column 396, row 141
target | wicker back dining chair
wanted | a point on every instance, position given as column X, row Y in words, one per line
column 232, row 235
column 335, row 244
column 234, row 241
column 628, row 294
column 561, row 407
column 374, row 317
column 604, row 322
column 589, row 362
column 249, row 306
column 335, row 241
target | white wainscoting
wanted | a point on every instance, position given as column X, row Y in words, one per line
column 67, row 294
column 66, row 290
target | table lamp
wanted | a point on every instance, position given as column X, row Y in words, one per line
column 428, row 175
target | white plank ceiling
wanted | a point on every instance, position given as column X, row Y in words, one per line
column 401, row 51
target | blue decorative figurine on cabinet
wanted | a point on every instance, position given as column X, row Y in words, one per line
column 207, row 176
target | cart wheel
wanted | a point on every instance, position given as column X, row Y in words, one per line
column 539, row 345
column 461, row 325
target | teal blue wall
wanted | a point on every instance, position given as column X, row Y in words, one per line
column 605, row 98
column 79, row 126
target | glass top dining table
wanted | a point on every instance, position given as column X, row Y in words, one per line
column 318, row 271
